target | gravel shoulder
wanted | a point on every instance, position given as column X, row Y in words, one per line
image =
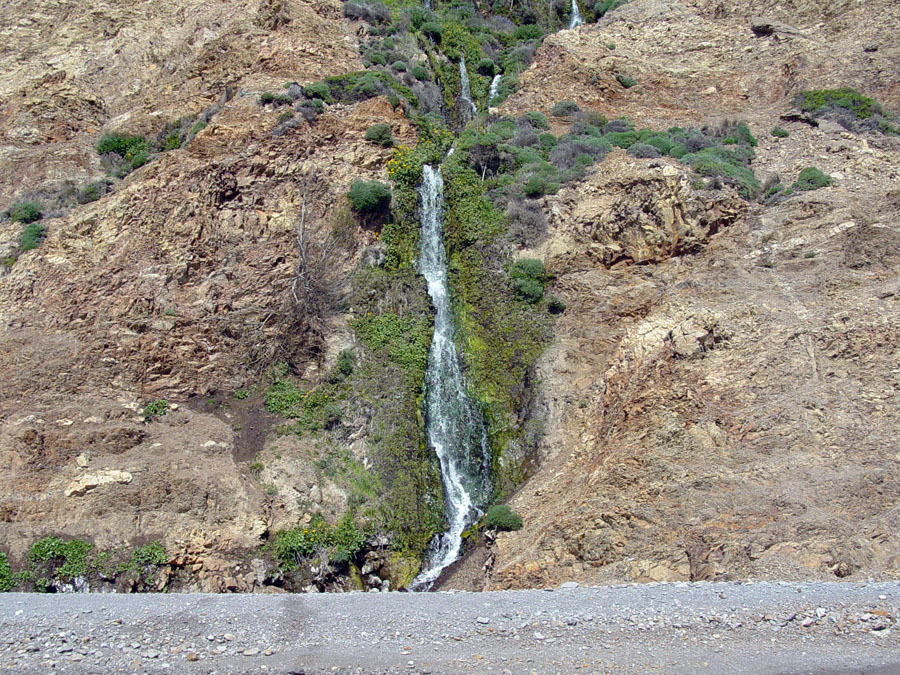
column 763, row 627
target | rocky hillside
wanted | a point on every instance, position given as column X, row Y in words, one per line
column 209, row 346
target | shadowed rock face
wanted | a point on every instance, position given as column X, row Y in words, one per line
column 720, row 399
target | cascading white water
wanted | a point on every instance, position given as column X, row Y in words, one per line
column 576, row 19
column 465, row 94
column 495, row 86
column 454, row 428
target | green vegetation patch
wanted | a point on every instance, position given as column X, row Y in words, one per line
column 155, row 409
column 850, row 109
column 811, row 178
column 55, row 557
column 32, row 236
column 501, row 517
column 6, row 577
column 335, row 543
column 25, row 212
column 380, row 134
column 369, row 197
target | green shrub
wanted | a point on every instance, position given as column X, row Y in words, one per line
column 643, row 151
column 555, row 305
column 820, row 100
column 199, row 126
column 501, row 517
column 267, row 98
column 66, row 559
column 433, row 30
column 25, row 212
column 487, row 67
column 622, row 139
column 90, row 192
column 380, row 134
column 339, row 543
column 727, row 165
column 369, row 196
column 540, row 184
column 536, row 119
column 399, row 66
column 152, row 554
column 6, row 577
column 319, row 90
column 811, row 179
column 420, row 73
column 32, row 236
column 134, row 150
column 626, row 80
column 378, row 58
column 528, row 276
column 778, row 132
column 527, row 32
column 565, row 109
column 156, row 408
column 345, row 362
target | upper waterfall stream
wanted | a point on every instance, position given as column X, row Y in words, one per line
column 465, row 93
column 454, row 428
column 576, row 19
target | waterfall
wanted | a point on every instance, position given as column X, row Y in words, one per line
column 495, row 85
column 465, row 94
column 576, row 20
column 454, row 428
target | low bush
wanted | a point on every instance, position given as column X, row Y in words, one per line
column 369, row 197
column 555, row 305
column 533, row 120
column 155, row 409
column 528, row 276
column 527, row 32
column 643, row 151
column 32, row 236
column 319, row 90
column 420, row 73
column 819, row 101
column 399, row 66
column 565, row 109
column 626, row 80
column 92, row 192
column 487, row 67
column 6, row 577
column 778, row 132
column 55, row 558
column 728, row 166
column 811, row 179
column 541, row 179
column 25, row 212
column 150, row 555
column 338, row 543
column 268, row 98
column 501, row 517
column 433, row 31
column 380, row 134
column 848, row 108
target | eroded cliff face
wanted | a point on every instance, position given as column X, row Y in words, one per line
column 720, row 396
column 720, row 399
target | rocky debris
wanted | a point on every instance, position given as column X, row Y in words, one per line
column 90, row 481
column 628, row 211
column 798, row 627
